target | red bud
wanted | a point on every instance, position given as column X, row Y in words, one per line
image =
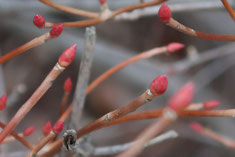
column 159, row 85
column 28, row 131
column 39, row 21
column 68, row 85
column 211, row 104
column 102, row 1
column 56, row 30
column 47, row 128
column 196, row 127
column 182, row 98
column 164, row 13
column 172, row 47
column 58, row 127
column 67, row 56
column 3, row 102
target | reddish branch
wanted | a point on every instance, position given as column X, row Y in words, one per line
column 229, row 8
column 165, row 16
column 94, row 21
column 64, row 60
column 211, row 134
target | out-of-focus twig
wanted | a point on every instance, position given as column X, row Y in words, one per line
column 110, row 150
column 83, row 78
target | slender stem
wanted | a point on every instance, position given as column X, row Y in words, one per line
column 42, row 143
column 111, row 71
column 31, row 44
column 150, row 132
column 189, row 31
column 221, row 139
column 29, row 104
column 18, row 137
column 229, row 8
column 70, row 10
column 94, row 21
column 64, row 102
column 111, row 150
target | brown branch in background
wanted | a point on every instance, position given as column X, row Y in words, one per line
column 83, row 77
column 57, row 128
column 67, row 91
column 211, row 134
column 111, row 150
column 55, row 32
column 70, row 10
column 94, row 21
column 64, row 60
column 178, row 102
column 229, row 8
column 18, row 137
column 165, row 16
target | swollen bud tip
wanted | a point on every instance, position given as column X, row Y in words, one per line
column 68, row 85
column 39, row 21
column 47, row 128
column 58, row 127
column 164, row 13
column 102, row 1
column 56, row 30
column 3, row 102
column 211, row 104
column 182, row 98
column 67, row 56
column 196, row 127
column 28, row 131
column 172, row 47
column 159, row 85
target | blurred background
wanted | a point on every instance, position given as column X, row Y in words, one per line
column 210, row 64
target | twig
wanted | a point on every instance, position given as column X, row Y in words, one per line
column 55, row 32
column 229, row 8
column 18, row 137
column 67, row 91
column 94, row 21
column 111, row 150
column 178, row 102
column 64, row 60
column 83, row 77
column 169, row 48
column 70, row 10
column 211, row 134
column 165, row 16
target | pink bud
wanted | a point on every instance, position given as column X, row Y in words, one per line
column 68, row 85
column 196, row 127
column 3, row 102
column 28, row 131
column 159, row 85
column 102, row 1
column 172, row 47
column 39, row 21
column 67, row 56
column 164, row 13
column 182, row 98
column 56, row 30
column 58, row 127
column 211, row 104
column 47, row 128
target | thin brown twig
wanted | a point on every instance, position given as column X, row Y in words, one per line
column 70, row 10
column 64, row 101
column 18, row 137
column 165, row 16
column 94, row 21
column 31, row 44
column 64, row 60
column 229, row 8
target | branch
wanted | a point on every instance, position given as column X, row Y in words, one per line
column 111, row 150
